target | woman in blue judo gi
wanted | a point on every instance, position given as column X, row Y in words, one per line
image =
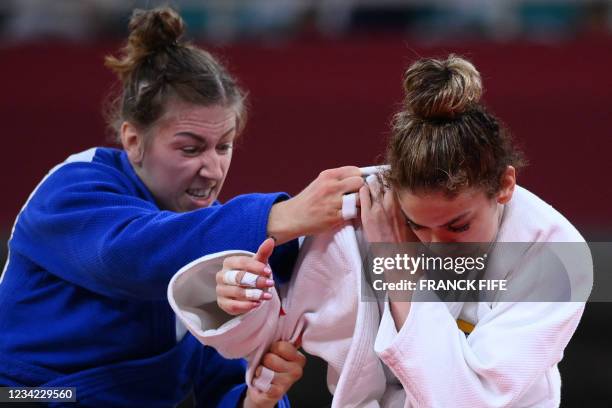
column 83, row 293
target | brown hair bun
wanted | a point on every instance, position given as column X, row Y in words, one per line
column 441, row 89
column 150, row 31
column 154, row 29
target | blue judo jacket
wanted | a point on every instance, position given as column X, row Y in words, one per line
column 83, row 293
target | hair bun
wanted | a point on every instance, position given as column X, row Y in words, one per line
column 441, row 89
column 153, row 29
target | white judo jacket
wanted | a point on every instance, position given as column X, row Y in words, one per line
column 508, row 360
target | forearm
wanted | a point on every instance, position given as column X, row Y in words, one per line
column 102, row 240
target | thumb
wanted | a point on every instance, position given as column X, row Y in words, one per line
column 264, row 251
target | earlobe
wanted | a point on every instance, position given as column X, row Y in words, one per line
column 132, row 142
column 508, row 181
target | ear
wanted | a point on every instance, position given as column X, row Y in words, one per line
column 508, row 181
column 133, row 143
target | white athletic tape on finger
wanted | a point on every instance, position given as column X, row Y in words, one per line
column 264, row 381
column 376, row 189
column 249, row 279
column 253, row 294
column 372, row 180
column 367, row 171
column 349, row 206
column 230, row 277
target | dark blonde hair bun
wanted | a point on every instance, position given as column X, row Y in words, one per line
column 150, row 31
column 154, row 29
column 441, row 89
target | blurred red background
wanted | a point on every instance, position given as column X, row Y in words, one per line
column 318, row 104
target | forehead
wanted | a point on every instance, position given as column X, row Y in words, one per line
column 212, row 121
column 436, row 208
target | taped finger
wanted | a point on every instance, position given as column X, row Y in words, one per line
column 249, row 279
column 374, row 183
column 367, row 171
column 349, row 206
column 230, row 277
column 253, row 294
column 264, row 381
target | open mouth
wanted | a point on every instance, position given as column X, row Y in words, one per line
column 200, row 193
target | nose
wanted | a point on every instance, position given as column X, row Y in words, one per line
column 211, row 165
column 440, row 238
column 435, row 239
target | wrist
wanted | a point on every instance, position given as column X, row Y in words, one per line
column 249, row 403
column 281, row 224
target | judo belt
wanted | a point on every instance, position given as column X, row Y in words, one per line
column 464, row 326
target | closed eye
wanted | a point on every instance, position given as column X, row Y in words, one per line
column 460, row 228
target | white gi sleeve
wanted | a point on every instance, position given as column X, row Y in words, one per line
column 192, row 296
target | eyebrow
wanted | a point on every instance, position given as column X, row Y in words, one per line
column 200, row 138
column 451, row 222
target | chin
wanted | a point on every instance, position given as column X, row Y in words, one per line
column 193, row 205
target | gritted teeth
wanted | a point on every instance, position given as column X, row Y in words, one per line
column 200, row 192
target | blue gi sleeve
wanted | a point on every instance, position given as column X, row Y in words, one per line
column 87, row 224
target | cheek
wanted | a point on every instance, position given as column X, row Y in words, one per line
column 172, row 172
column 166, row 170
column 225, row 163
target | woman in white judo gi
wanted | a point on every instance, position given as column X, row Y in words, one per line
column 452, row 178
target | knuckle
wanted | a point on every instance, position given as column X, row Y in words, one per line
column 285, row 347
column 268, row 360
column 275, row 348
